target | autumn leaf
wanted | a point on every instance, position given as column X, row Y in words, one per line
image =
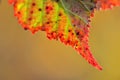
column 65, row 20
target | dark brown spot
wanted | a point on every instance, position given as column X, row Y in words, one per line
column 31, row 12
column 77, row 33
column 18, row 12
column 60, row 14
column 33, row 4
column 69, row 30
column 72, row 33
column 29, row 19
column 25, row 28
column 39, row 9
column 47, row 22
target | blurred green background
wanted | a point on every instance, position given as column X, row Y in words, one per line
column 24, row 56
